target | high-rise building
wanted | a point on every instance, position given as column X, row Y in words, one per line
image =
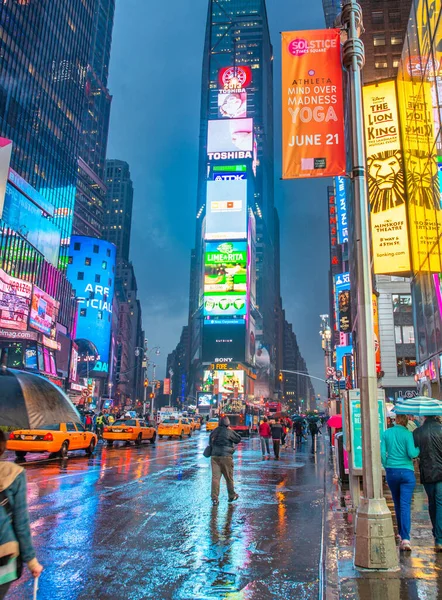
column 332, row 8
column 177, row 364
column 43, row 72
column 232, row 306
column 297, row 388
column 91, row 189
column 118, row 209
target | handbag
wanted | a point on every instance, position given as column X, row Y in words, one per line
column 208, row 451
column 11, row 567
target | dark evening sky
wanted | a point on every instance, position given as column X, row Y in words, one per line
column 155, row 79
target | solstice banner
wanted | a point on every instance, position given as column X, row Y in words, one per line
column 312, row 104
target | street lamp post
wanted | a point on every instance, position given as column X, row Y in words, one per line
column 375, row 543
column 152, row 404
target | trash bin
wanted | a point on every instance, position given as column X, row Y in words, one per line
column 340, row 459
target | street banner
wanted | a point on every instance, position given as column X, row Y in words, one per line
column 386, row 185
column 421, row 172
column 312, row 104
column 377, row 344
column 166, row 387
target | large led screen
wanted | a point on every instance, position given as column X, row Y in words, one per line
column 225, row 268
column 224, row 343
column 44, row 312
column 225, row 305
column 91, row 271
column 230, row 135
column 15, row 298
column 228, row 381
column 226, row 217
column 232, row 104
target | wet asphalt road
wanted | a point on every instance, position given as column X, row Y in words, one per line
column 137, row 523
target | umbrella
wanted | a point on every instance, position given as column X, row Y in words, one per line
column 335, row 422
column 29, row 401
column 420, row 406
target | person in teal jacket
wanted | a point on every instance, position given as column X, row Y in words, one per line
column 397, row 453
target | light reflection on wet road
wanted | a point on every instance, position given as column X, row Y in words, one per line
column 137, row 523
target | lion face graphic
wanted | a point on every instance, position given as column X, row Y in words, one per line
column 423, row 180
column 385, row 181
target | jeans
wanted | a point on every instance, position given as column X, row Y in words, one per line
column 276, row 447
column 434, row 493
column 402, row 483
column 222, row 466
column 265, row 445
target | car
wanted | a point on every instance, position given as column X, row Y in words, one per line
column 212, row 424
column 175, row 426
column 129, row 430
column 57, row 438
column 196, row 423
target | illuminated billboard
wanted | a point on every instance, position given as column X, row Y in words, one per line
column 225, row 268
column 44, row 312
column 91, row 270
column 226, row 217
column 15, row 299
column 236, row 77
column 386, row 186
column 228, row 381
column 225, row 305
column 232, row 104
column 224, row 343
column 341, row 187
column 230, row 136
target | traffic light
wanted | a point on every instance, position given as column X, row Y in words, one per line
column 146, row 382
column 150, row 395
column 280, row 376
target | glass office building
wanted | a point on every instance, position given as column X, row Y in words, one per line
column 45, row 50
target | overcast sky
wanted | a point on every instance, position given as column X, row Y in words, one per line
column 155, row 80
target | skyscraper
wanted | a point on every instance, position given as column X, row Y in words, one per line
column 118, row 208
column 234, row 287
column 43, row 72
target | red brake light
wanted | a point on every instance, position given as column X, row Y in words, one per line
column 106, row 429
column 130, row 430
column 12, row 436
column 48, row 437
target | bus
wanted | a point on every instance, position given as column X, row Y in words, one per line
column 244, row 420
column 272, row 408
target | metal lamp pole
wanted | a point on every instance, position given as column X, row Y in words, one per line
column 152, row 404
column 375, row 543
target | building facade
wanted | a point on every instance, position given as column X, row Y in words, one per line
column 118, row 208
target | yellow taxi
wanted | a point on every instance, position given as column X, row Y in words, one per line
column 212, row 424
column 175, row 426
column 58, row 438
column 196, row 423
column 129, row 430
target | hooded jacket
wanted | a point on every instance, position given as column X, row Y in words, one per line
column 15, row 538
column 428, row 438
column 223, row 441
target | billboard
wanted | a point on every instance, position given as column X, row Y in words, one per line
column 225, row 268
column 224, row 342
column 228, row 381
column 226, row 215
column 341, row 189
column 232, row 104
column 230, row 136
column 15, row 299
column 313, row 142
column 421, row 172
column 386, row 186
column 44, row 312
column 91, row 270
column 236, row 77
column 225, row 305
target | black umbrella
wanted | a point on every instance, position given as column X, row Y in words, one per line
column 29, row 401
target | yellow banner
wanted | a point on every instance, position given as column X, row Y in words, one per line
column 388, row 212
column 422, row 181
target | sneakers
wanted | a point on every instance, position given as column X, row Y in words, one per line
column 233, row 498
column 405, row 546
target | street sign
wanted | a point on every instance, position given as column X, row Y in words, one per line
column 356, row 424
column 330, row 372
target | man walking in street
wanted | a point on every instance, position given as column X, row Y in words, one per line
column 265, row 434
column 276, row 437
column 428, row 438
column 222, row 442
column 314, row 431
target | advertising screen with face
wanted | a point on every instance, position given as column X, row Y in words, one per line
column 230, row 135
column 224, row 343
column 15, row 298
column 232, row 104
column 44, row 311
column 226, row 217
column 225, row 268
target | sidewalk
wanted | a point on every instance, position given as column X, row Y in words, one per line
column 420, row 574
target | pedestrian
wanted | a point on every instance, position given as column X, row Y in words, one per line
column 314, row 431
column 265, row 433
column 276, row 437
column 16, row 545
column 298, row 428
column 88, row 422
column 397, row 452
column 99, row 425
column 222, row 442
column 428, row 438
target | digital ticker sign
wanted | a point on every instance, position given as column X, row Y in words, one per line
column 226, row 216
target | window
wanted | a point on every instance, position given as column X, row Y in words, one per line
column 70, row 427
column 77, row 246
column 381, row 64
column 70, row 260
column 402, row 303
column 80, row 427
column 87, row 261
column 396, row 39
column 394, row 16
column 377, row 17
column 379, row 40
column 104, row 264
column 406, row 366
column 110, row 282
column 97, row 278
column 404, row 334
column 396, row 61
column 96, row 248
column 80, row 275
column 398, row 334
column 100, row 315
column 108, row 252
column 83, row 312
